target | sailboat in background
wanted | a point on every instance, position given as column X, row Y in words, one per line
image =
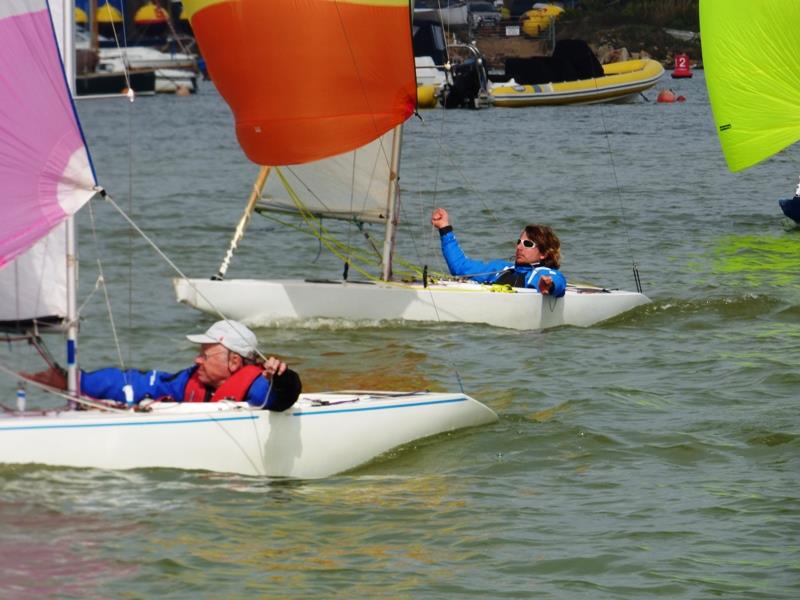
column 333, row 145
column 47, row 175
column 752, row 73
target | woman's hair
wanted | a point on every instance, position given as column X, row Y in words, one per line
column 547, row 242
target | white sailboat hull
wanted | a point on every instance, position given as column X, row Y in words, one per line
column 262, row 302
column 169, row 81
column 322, row 434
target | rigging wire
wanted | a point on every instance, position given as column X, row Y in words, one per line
column 130, row 232
column 623, row 214
column 168, row 260
column 122, row 47
column 101, row 280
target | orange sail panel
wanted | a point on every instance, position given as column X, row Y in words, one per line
column 308, row 79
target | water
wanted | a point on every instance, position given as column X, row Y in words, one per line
column 655, row 455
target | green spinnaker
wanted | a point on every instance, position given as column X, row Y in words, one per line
column 751, row 58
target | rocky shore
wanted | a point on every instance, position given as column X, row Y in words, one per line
column 610, row 44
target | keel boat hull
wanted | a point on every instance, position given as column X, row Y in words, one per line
column 264, row 302
column 321, row 435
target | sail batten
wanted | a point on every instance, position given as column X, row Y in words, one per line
column 753, row 76
column 308, row 80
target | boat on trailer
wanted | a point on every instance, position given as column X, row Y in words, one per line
column 321, row 435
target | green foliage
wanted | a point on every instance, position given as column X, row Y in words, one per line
column 677, row 14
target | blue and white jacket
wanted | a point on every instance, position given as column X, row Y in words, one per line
column 132, row 386
column 497, row 271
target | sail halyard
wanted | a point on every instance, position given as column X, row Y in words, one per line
column 753, row 76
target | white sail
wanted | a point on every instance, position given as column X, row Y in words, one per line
column 352, row 185
column 34, row 285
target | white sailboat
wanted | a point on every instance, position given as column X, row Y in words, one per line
column 46, row 177
column 355, row 181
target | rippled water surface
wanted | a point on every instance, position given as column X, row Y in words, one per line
column 655, row 455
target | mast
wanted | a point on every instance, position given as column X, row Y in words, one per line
column 391, row 205
column 68, row 58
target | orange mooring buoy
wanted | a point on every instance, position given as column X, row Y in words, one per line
column 682, row 67
column 666, row 96
column 669, row 96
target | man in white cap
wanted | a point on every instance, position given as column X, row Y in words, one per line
column 228, row 367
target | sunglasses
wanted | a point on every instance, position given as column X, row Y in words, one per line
column 526, row 243
column 206, row 355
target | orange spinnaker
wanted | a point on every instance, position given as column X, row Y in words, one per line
column 308, row 79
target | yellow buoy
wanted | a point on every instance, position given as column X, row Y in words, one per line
column 426, row 96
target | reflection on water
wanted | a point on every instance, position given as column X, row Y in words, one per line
column 45, row 553
column 391, row 366
column 756, row 262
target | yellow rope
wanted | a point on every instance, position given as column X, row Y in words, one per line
column 356, row 257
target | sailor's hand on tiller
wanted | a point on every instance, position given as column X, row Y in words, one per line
column 273, row 366
column 440, row 218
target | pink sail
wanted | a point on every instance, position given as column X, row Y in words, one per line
column 45, row 170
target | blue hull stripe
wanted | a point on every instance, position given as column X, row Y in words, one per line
column 129, row 423
column 307, row 413
column 346, row 410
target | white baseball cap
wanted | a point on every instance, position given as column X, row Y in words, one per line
column 231, row 334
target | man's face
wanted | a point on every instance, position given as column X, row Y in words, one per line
column 213, row 364
column 527, row 251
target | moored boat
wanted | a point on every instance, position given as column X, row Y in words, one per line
column 116, row 82
column 572, row 75
column 450, row 13
column 621, row 81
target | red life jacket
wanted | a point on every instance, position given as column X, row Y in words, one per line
column 233, row 388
